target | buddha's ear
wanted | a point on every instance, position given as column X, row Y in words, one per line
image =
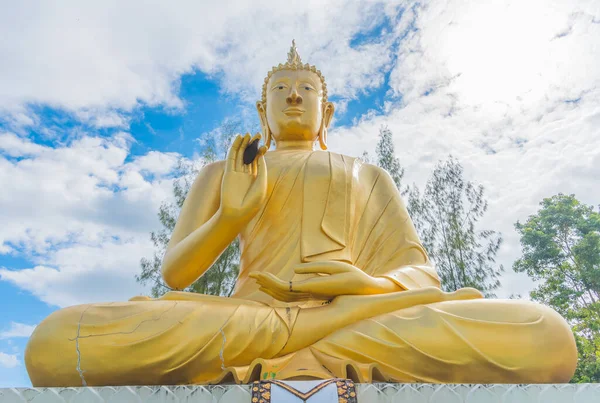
column 262, row 116
column 328, row 110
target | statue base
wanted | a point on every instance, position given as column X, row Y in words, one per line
column 335, row 391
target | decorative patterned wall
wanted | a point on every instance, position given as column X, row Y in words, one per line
column 376, row 393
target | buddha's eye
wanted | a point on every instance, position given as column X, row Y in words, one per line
column 307, row 88
column 280, row 87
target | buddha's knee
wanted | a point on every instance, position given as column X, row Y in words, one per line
column 552, row 346
column 51, row 352
column 532, row 341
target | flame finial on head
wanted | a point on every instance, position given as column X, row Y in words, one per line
column 293, row 63
column 293, row 56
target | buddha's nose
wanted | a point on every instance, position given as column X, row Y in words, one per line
column 294, row 98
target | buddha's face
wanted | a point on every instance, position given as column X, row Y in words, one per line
column 295, row 108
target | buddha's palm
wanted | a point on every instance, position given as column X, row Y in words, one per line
column 336, row 279
column 244, row 186
column 333, row 279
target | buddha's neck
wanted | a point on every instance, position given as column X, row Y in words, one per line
column 297, row 145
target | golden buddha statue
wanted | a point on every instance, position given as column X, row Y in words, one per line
column 333, row 281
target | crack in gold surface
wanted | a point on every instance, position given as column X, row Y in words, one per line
column 78, row 367
column 128, row 332
column 222, row 348
column 76, row 339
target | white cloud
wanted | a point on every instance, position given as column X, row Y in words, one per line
column 81, row 213
column 100, row 61
column 488, row 55
column 101, row 118
column 17, row 330
column 155, row 163
column 8, row 360
column 102, row 272
column 56, row 195
column 14, row 146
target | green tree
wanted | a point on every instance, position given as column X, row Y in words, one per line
column 220, row 278
column 386, row 157
column 561, row 251
column 445, row 217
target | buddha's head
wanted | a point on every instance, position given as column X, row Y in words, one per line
column 294, row 103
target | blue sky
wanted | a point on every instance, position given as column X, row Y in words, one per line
column 99, row 102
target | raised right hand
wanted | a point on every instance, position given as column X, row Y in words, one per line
column 244, row 187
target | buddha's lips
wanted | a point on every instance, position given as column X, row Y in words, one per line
column 293, row 111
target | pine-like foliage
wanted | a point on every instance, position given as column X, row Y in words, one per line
column 445, row 216
column 386, row 157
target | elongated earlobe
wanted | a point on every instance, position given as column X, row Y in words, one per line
column 328, row 110
column 260, row 107
column 267, row 134
column 323, row 137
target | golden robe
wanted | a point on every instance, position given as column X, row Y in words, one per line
column 355, row 216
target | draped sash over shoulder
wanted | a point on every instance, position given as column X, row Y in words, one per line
column 326, row 206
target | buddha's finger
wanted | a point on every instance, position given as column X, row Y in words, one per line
column 261, row 166
column 251, row 166
column 266, row 285
column 258, row 189
column 261, row 151
column 232, row 153
column 285, row 297
column 254, row 166
column 260, row 280
column 276, row 281
column 269, row 281
column 257, row 275
column 317, row 285
column 239, row 161
column 271, row 294
column 294, row 296
column 320, row 268
column 463, row 294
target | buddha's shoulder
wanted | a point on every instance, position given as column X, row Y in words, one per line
column 365, row 169
column 367, row 172
column 213, row 169
column 371, row 169
column 373, row 173
column 209, row 174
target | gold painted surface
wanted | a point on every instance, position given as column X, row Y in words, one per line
column 334, row 282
